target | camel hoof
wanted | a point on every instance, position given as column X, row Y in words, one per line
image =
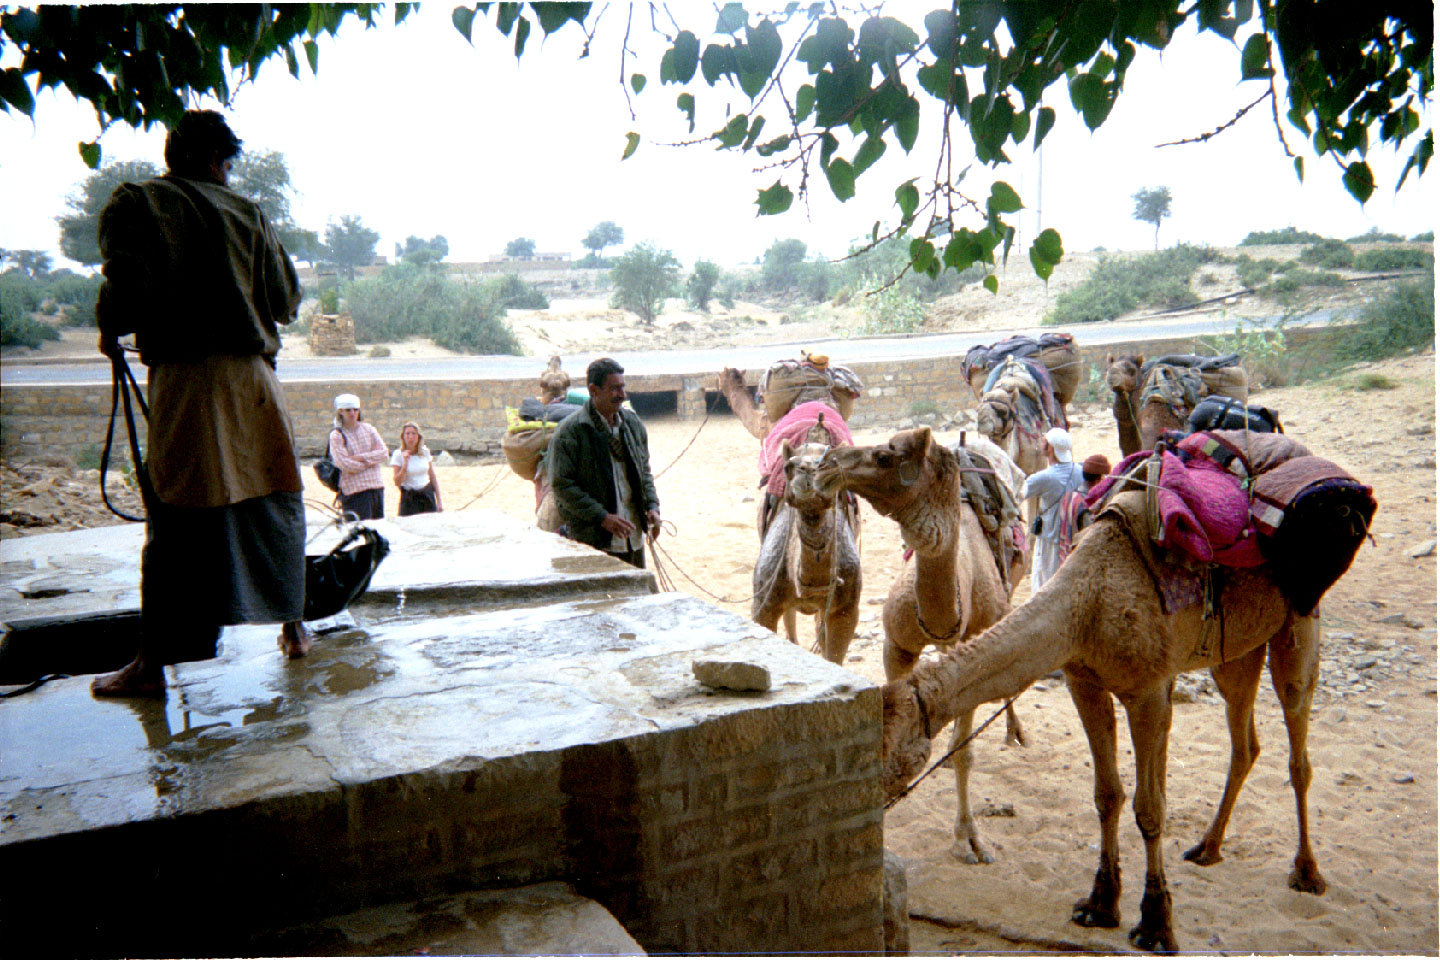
column 1306, row 878
column 1203, row 855
column 1153, row 941
column 1086, row 914
column 971, row 851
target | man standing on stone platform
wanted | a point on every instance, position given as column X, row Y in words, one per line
column 197, row 274
column 599, row 463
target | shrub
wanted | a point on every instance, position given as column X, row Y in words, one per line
column 1373, row 235
column 1427, row 237
column 1400, row 321
column 408, row 300
column 1335, row 254
column 1260, row 238
column 1117, row 286
column 1394, row 258
column 379, row 351
column 891, row 310
column 17, row 328
column 329, row 301
column 1256, row 273
column 921, row 408
column 643, row 278
column 513, row 292
column 701, row 284
column 1294, row 280
column 1366, row 382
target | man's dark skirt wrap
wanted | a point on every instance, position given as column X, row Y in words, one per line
column 207, row 567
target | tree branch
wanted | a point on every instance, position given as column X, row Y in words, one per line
column 1224, row 126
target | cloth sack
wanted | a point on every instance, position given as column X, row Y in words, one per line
column 334, row 580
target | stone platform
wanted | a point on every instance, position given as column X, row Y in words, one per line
column 428, row 754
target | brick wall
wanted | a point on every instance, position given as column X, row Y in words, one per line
column 468, row 416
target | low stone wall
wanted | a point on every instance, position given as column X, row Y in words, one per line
column 468, row 416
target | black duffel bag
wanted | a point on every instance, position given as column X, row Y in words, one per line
column 1226, row 413
column 333, row 581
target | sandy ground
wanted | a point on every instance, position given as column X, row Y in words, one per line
column 1372, row 741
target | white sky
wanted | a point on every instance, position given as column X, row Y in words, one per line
column 416, row 132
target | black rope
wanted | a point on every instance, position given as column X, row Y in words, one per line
column 35, row 684
column 122, row 385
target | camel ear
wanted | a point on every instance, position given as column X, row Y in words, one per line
column 917, row 444
column 1139, row 359
column 786, row 451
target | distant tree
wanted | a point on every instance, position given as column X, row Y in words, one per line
column 302, row 244
column 1152, row 206
column 35, row 263
column 701, row 284
column 79, row 228
column 520, row 248
column 350, row 244
column 264, row 177
column 643, row 278
column 606, row 233
column 420, row 250
column 780, row 269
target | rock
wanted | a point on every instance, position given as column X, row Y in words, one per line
column 896, row 909
column 1375, row 704
column 1404, row 777
column 444, row 459
column 731, row 674
column 990, row 809
column 1426, row 549
column 1403, row 620
column 747, row 499
column 1340, row 636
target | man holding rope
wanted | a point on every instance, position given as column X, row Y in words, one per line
column 197, row 273
column 599, row 463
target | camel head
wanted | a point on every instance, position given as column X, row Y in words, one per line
column 891, row 476
column 1122, row 373
column 732, row 378
column 801, row 464
column 904, row 748
column 995, row 417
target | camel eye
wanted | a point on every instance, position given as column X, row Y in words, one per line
column 883, row 459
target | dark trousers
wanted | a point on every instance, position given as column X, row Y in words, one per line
column 636, row 558
column 364, row 504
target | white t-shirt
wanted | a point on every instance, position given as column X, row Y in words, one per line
column 417, row 475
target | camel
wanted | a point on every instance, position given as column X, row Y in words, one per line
column 1012, row 415
column 1122, row 375
column 954, row 588
column 1100, row 619
column 742, row 403
column 810, row 559
column 1158, row 395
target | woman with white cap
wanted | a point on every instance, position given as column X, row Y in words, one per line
column 356, row 448
column 1050, row 486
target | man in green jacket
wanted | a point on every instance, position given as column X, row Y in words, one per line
column 599, row 462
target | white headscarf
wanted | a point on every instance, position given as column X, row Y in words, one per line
column 1060, row 442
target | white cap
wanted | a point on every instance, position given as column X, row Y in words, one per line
column 347, row 401
column 1059, row 441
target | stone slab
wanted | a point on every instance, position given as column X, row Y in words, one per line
column 540, row 920
column 468, row 556
column 418, row 757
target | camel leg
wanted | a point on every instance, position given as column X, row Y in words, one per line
column 1238, row 680
column 1150, row 734
column 790, row 630
column 1097, row 714
column 836, row 630
column 968, row 847
column 898, row 661
column 1294, row 669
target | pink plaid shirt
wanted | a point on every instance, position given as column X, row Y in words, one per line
column 359, row 457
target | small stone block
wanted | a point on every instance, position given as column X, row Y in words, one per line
column 731, row 674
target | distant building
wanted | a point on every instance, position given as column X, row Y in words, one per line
column 539, row 257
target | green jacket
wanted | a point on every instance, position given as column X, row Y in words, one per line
column 578, row 458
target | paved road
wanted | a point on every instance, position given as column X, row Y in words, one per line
column 663, row 362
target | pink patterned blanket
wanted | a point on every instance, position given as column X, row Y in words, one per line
column 1204, row 512
column 793, row 427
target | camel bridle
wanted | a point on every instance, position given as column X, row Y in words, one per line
column 920, row 705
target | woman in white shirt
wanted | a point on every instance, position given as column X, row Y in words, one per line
column 415, row 474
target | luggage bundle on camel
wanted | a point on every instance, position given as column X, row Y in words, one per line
column 789, row 383
column 529, row 429
column 1056, row 352
column 1230, row 498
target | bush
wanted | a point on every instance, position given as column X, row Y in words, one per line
column 408, row 300
column 894, row 309
column 1402, row 320
column 1335, row 254
column 513, row 292
column 1394, row 258
column 1427, row 237
column 379, row 351
column 1256, row 273
column 1294, row 280
column 700, row 287
column 1117, row 286
column 1375, row 236
column 1374, row 381
column 16, row 326
column 643, row 278
column 1260, row 238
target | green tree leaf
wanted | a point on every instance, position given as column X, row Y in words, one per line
column 637, row 82
column 553, row 16
column 1045, row 253
column 90, row 153
column 1044, row 121
column 804, row 102
column 1359, row 180
column 992, row 283
column 842, row 178
column 685, row 56
column 522, row 33
column 869, row 152
column 686, row 102
column 1003, row 199
column 632, row 140
column 773, row 146
column 756, row 125
column 907, row 195
column 1254, row 58
column 732, row 18
column 774, row 199
column 907, row 123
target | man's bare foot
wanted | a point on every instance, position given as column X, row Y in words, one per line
column 135, row 679
column 295, row 640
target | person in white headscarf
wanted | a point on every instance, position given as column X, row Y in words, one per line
column 1050, row 486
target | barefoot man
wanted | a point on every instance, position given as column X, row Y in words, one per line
column 197, row 274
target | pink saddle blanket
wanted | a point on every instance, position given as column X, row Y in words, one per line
column 793, row 427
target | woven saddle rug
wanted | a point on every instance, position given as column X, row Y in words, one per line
column 1029, row 381
column 795, row 426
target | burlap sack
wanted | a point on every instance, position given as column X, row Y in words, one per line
column 524, row 448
